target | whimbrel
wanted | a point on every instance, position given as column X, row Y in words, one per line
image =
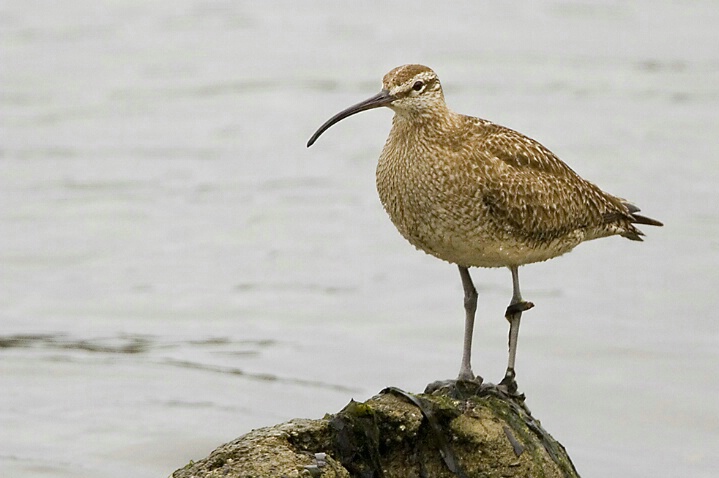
column 477, row 194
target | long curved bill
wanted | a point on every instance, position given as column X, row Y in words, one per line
column 382, row 98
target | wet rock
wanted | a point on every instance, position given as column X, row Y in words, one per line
column 446, row 432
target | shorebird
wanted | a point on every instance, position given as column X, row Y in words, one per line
column 477, row 194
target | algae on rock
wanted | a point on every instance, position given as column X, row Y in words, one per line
column 396, row 434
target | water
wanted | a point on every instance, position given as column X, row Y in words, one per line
column 176, row 268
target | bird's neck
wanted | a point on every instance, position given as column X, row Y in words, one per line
column 418, row 129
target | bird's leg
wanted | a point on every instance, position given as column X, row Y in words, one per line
column 513, row 315
column 470, row 307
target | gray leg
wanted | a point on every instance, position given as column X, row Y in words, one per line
column 513, row 315
column 470, row 307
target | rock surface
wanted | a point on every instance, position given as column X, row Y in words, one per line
column 460, row 430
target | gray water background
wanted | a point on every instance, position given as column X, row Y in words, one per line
column 176, row 268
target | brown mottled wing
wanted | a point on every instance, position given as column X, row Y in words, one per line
column 538, row 197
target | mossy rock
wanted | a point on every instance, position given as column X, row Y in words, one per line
column 446, row 433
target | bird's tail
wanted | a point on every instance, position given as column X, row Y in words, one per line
column 632, row 232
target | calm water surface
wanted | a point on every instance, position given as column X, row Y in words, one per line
column 176, row 268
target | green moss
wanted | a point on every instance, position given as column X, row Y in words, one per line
column 398, row 435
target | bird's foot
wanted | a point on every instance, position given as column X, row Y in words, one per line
column 518, row 308
column 466, row 375
column 508, row 385
column 466, row 389
column 460, row 388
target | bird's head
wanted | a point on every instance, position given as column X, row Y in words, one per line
column 409, row 90
column 414, row 89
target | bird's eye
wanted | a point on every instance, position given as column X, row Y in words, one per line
column 417, row 85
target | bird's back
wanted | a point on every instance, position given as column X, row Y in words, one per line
column 478, row 194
